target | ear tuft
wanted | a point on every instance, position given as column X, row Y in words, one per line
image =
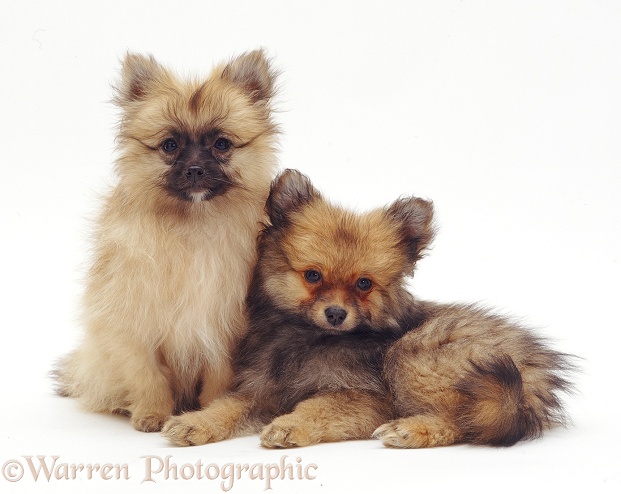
column 139, row 74
column 415, row 219
column 289, row 192
column 253, row 73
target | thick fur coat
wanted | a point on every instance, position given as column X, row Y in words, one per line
column 176, row 241
column 339, row 349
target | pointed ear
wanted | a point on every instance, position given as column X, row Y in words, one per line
column 415, row 219
column 289, row 192
column 252, row 72
column 139, row 74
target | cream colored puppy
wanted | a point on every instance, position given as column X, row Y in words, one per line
column 175, row 243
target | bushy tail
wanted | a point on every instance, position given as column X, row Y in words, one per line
column 497, row 409
column 60, row 374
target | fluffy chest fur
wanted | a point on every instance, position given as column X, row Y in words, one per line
column 166, row 282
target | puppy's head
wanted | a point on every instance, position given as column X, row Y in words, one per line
column 337, row 269
column 193, row 141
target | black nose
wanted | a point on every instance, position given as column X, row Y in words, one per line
column 335, row 315
column 194, row 173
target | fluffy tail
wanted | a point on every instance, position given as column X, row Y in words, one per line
column 60, row 374
column 499, row 409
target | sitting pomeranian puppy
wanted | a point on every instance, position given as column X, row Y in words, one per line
column 337, row 346
column 176, row 240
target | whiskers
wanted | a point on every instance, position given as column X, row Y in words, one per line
column 228, row 182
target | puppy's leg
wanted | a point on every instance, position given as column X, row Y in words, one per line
column 225, row 418
column 336, row 416
column 418, row 431
column 149, row 394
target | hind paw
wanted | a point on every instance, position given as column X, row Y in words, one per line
column 417, row 432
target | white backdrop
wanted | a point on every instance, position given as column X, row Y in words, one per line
column 506, row 114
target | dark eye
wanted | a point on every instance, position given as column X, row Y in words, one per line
column 169, row 145
column 364, row 284
column 222, row 144
column 312, row 276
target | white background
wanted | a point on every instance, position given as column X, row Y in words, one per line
column 506, row 114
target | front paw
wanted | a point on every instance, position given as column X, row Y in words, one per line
column 280, row 434
column 186, row 431
column 151, row 422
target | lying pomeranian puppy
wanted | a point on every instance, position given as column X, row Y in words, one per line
column 337, row 348
column 176, row 240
